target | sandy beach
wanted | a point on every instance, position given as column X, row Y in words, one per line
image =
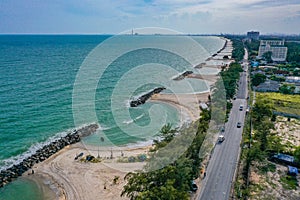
column 68, row 178
column 187, row 104
column 75, row 179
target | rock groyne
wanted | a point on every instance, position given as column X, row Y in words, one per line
column 224, row 46
column 45, row 152
column 142, row 99
column 182, row 76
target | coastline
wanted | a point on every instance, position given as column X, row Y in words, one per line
column 74, row 179
column 186, row 104
column 65, row 178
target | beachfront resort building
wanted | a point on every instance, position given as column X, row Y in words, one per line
column 292, row 79
column 279, row 51
column 253, row 35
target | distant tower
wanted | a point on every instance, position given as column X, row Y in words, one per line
column 131, row 31
column 253, row 35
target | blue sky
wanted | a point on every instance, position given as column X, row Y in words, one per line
column 186, row 16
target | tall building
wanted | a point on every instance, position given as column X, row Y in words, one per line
column 253, row 35
column 279, row 51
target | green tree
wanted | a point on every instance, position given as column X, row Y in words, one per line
column 275, row 143
column 167, row 133
column 297, row 153
column 238, row 49
column 263, row 130
column 261, row 110
column 170, row 182
column 287, row 89
column 293, row 54
column 230, row 78
column 258, row 79
column 277, row 78
column 268, row 56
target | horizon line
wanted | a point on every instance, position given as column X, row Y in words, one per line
column 185, row 34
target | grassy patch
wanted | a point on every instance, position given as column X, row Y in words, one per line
column 282, row 102
column 258, row 187
column 289, row 182
column 267, row 167
column 267, row 198
column 271, row 183
column 284, row 98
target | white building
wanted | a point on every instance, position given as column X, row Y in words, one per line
column 292, row 79
column 279, row 51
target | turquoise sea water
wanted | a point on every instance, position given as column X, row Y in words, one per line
column 37, row 75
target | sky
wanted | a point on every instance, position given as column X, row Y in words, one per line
column 115, row 16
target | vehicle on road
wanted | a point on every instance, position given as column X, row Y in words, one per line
column 222, row 129
column 248, row 109
column 239, row 125
column 194, row 186
column 221, row 138
column 241, row 107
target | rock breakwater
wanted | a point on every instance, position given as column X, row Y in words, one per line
column 45, row 152
column 142, row 99
column 183, row 75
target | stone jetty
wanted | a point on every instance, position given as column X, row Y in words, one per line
column 142, row 99
column 224, row 46
column 45, row 152
column 183, row 75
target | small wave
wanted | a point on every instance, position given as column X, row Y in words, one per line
column 127, row 103
column 175, row 76
column 139, row 144
column 128, row 122
column 104, row 128
column 133, row 120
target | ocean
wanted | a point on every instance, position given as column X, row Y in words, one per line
column 44, row 80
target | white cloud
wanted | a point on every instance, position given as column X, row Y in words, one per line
column 209, row 16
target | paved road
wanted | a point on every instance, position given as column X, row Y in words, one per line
column 220, row 171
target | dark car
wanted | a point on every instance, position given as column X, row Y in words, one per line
column 222, row 129
column 194, row 186
column 239, row 125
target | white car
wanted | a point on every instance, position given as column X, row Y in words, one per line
column 221, row 138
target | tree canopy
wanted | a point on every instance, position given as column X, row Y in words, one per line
column 173, row 181
column 238, row 49
column 268, row 56
column 287, row 89
column 293, row 54
column 258, row 79
column 297, row 153
column 230, row 78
